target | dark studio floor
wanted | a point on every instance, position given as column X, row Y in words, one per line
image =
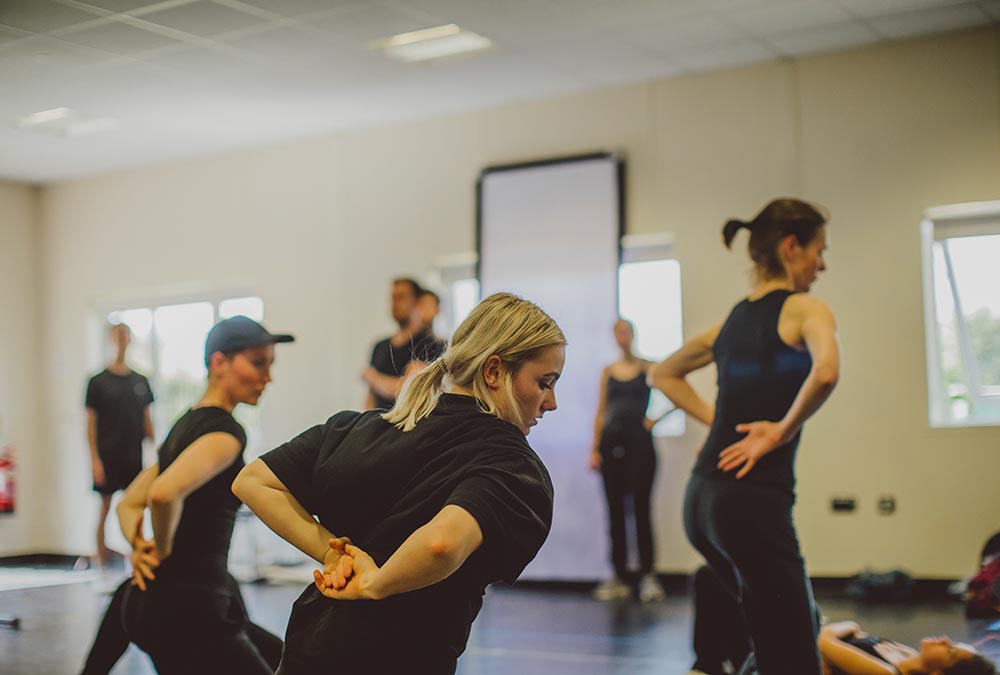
column 526, row 630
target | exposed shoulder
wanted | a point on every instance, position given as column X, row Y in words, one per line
column 806, row 305
column 707, row 337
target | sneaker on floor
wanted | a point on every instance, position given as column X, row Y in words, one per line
column 612, row 589
column 650, row 589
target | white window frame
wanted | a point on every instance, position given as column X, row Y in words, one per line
column 444, row 273
column 941, row 223
column 215, row 298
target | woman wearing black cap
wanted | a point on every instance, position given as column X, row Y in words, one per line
column 777, row 358
column 188, row 614
column 440, row 497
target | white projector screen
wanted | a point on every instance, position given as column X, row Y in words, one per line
column 550, row 232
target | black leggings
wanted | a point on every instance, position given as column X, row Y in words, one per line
column 628, row 464
column 746, row 534
column 182, row 634
column 721, row 636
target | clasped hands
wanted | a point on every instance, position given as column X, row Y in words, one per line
column 348, row 572
column 144, row 560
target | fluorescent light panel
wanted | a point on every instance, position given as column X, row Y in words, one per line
column 431, row 43
column 65, row 122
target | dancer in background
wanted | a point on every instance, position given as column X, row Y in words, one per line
column 118, row 419
column 623, row 452
column 406, row 351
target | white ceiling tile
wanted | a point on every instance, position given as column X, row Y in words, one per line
column 991, row 7
column 119, row 38
column 41, row 55
column 40, row 16
column 613, row 14
column 774, row 19
column 825, row 39
column 297, row 8
column 8, row 35
column 585, row 52
column 309, row 71
column 374, row 22
column 929, row 21
column 725, row 56
column 197, row 62
column 689, row 33
column 868, row 8
column 121, row 5
column 292, row 46
column 203, row 18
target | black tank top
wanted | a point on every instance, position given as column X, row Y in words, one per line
column 758, row 376
column 627, row 399
column 868, row 644
column 201, row 544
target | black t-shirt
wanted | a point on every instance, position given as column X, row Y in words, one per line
column 120, row 402
column 365, row 479
column 389, row 359
column 201, row 542
column 759, row 377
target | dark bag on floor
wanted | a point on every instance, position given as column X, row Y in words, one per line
column 872, row 586
column 982, row 597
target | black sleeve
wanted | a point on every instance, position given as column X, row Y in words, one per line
column 230, row 426
column 92, row 399
column 374, row 355
column 294, row 463
column 212, row 423
column 149, row 392
column 510, row 496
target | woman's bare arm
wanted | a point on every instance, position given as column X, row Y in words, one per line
column 197, row 464
column 670, row 376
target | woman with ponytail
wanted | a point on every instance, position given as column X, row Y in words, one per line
column 414, row 511
column 777, row 358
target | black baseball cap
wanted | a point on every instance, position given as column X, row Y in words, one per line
column 237, row 333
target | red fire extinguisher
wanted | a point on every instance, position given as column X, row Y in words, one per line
column 7, row 484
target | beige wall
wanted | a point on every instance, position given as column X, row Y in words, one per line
column 319, row 227
column 20, row 390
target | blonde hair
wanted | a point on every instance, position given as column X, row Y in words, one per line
column 504, row 325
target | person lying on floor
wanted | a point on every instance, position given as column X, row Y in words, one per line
column 847, row 650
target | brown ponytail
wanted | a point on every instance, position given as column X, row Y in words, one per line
column 730, row 229
column 777, row 220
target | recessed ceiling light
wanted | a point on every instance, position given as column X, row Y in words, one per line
column 65, row 122
column 431, row 43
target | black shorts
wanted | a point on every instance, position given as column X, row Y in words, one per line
column 118, row 473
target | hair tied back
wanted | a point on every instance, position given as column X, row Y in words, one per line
column 731, row 228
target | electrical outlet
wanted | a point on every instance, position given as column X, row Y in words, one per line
column 843, row 504
column 886, row 505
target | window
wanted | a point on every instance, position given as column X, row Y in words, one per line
column 649, row 295
column 168, row 346
column 456, row 277
column 962, row 311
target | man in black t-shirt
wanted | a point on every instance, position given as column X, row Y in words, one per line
column 407, row 351
column 118, row 420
